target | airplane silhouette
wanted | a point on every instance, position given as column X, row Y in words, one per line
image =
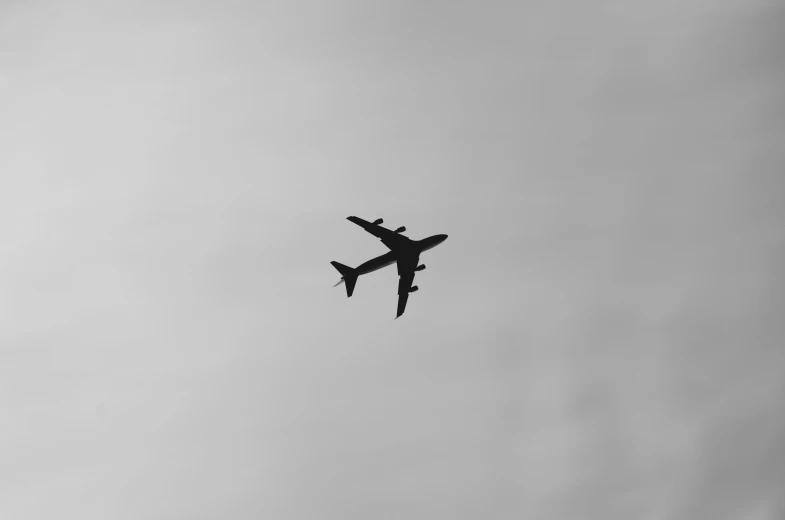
column 403, row 250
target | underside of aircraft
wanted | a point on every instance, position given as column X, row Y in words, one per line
column 403, row 251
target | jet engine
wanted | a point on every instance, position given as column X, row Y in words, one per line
column 401, row 229
column 420, row 267
column 414, row 289
column 377, row 221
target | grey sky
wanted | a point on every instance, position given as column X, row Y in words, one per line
column 601, row 336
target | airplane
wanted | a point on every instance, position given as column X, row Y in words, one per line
column 403, row 250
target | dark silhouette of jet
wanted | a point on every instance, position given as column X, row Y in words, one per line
column 403, row 251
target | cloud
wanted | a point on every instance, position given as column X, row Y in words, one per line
column 598, row 338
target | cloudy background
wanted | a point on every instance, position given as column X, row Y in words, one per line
column 601, row 337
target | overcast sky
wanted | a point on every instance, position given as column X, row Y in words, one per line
column 601, row 337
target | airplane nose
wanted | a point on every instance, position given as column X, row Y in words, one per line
column 443, row 238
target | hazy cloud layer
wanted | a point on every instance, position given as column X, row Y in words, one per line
column 601, row 336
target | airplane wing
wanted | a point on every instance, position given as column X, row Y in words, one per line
column 406, row 268
column 389, row 238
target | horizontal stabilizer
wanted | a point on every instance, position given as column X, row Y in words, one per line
column 349, row 277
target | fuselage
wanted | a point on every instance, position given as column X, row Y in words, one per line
column 414, row 247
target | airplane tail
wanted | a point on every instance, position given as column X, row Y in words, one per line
column 348, row 276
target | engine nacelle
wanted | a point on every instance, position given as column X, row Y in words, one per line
column 420, row 267
column 401, row 229
column 414, row 289
column 378, row 221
